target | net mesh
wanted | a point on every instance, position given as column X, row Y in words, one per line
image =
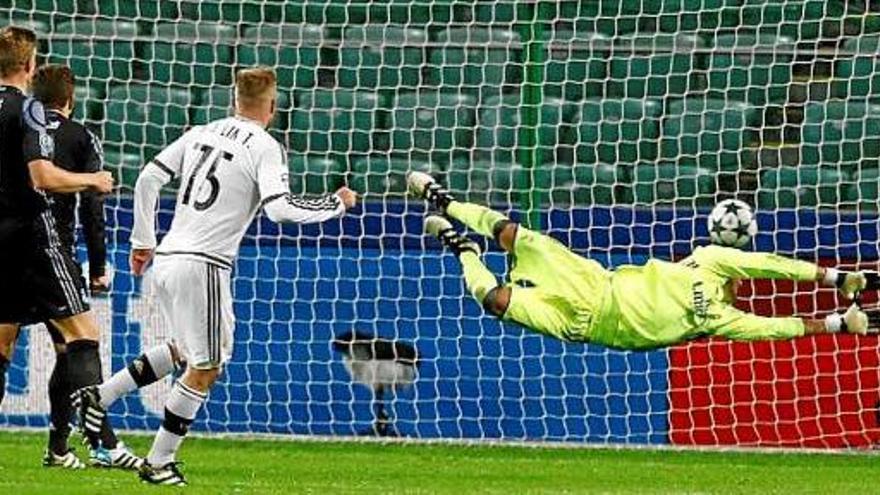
column 612, row 125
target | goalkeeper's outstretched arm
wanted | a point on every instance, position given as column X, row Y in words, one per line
column 736, row 264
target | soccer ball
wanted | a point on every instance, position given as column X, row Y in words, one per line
column 732, row 223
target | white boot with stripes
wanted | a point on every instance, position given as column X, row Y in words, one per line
column 120, row 457
column 68, row 460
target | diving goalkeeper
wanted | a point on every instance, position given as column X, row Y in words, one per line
column 558, row 293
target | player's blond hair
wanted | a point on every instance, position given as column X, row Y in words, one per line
column 255, row 86
column 17, row 48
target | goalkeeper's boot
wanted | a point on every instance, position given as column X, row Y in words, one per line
column 120, row 457
column 67, row 460
column 422, row 185
column 87, row 402
column 442, row 229
column 168, row 475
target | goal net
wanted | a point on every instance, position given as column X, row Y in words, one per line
column 612, row 125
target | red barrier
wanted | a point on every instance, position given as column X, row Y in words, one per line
column 812, row 392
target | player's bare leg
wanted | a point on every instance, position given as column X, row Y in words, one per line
column 8, row 334
column 181, row 407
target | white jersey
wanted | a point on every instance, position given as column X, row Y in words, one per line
column 227, row 170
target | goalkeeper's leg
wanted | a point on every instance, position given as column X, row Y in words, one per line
column 484, row 221
column 529, row 307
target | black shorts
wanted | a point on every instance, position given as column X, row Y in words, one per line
column 39, row 279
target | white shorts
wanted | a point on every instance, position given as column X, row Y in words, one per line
column 195, row 299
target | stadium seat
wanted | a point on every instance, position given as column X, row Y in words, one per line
column 618, row 131
column 95, row 49
column 432, row 125
column 801, row 20
column 315, row 175
column 752, row 68
column 381, row 176
column 412, row 13
column 577, row 64
column 841, row 134
column 191, row 53
column 498, row 129
column 865, row 190
column 88, row 103
column 708, row 133
column 801, row 186
column 656, row 66
column 487, row 181
column 216, row 103
column 380, row 56
column 476, row 61
column 293, row 49
column 24, row 19
column 586, row 184
column 858, row 76
column 666, row 184
column 145, row 116
column 147, row 11
column 125, row 167
column 693, row 15
column 339, row 122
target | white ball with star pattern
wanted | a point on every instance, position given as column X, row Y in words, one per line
column 732, row 223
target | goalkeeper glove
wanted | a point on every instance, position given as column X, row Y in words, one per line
column 855, row 320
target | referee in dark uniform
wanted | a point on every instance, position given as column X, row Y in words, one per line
column 77, row 150
column 39, row 280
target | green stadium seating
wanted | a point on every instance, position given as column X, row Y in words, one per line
column 125, row 167
column 801, row 186
column 88, row 103
column 752, row 68
column 381, row 176
column 586, row 184
column 655, row 66
column 476, row 61
column 432, row 125
column 379, row 56
column 191, row 53
column 858, row 76
column 147, row 11
column 95, row 49
column 796, row 19
column 693, row 15
column 24, row 19
column 841, row 133
column 708, row 133
column 667, row 184
column 865, row 191
column 487, row 182
column 339, row 122
column 315, row 175
column 577, row 64
column 216, row 103
column 292, row 49
column 148, row 117
column 498, row 134
column 413, row 13
column 618, row 131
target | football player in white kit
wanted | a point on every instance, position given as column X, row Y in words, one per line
column 228, row 170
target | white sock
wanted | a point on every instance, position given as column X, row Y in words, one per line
column 830, row 278
column 833, row 322
column 152, row 365
column 180, row 410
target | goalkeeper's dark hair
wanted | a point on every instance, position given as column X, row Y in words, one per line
column 18, row 46
column 53, row 85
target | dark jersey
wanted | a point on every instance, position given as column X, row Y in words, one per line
column 23, row 138
column 78, row 150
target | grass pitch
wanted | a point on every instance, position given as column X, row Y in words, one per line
column 258, row 466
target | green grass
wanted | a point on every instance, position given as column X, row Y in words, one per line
column 241, row 466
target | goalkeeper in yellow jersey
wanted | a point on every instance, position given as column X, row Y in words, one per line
column 558, row 293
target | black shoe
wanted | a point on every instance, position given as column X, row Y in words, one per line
column 442, row 229
column 424, row 186
column 87, row 402
column 168, row 475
